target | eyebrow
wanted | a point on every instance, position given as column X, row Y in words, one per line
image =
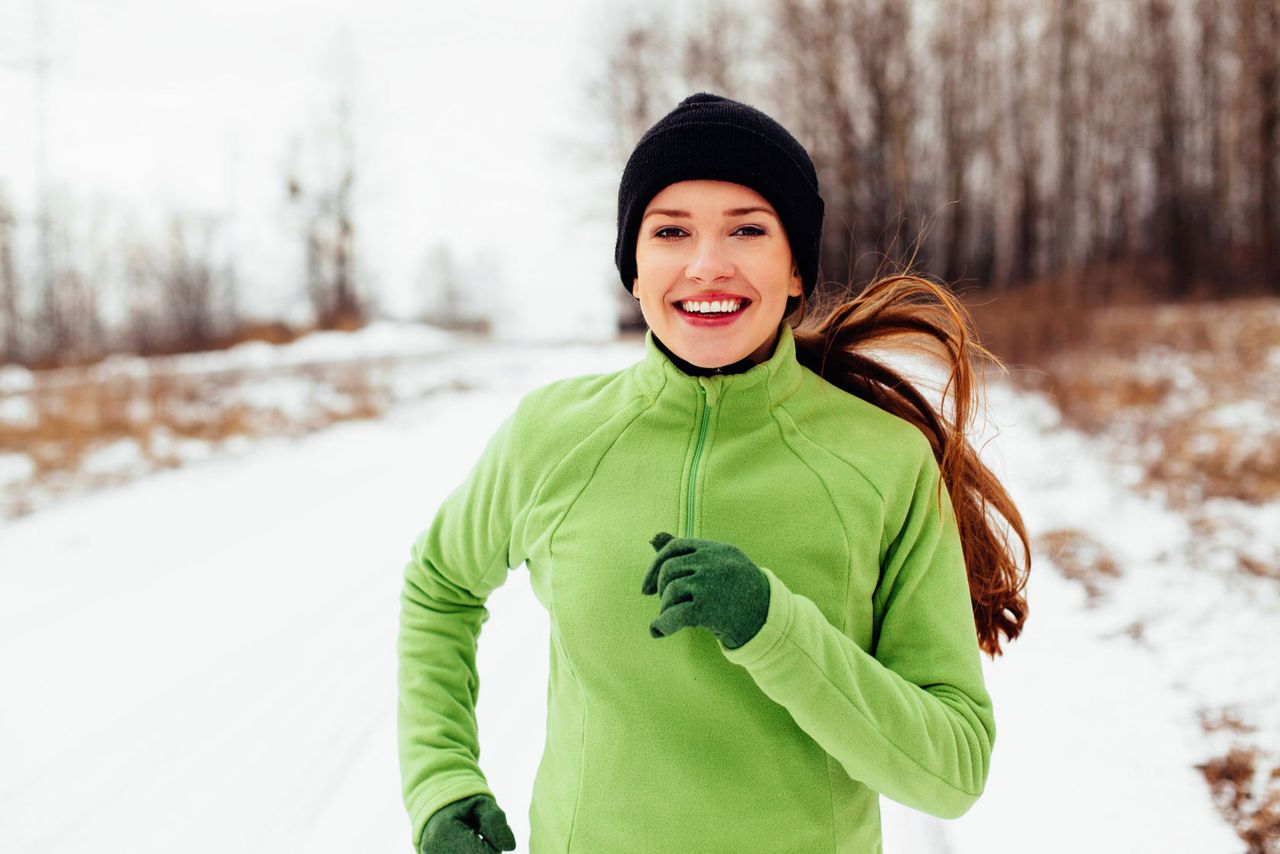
column 686, row 214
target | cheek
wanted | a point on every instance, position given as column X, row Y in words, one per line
column 649, row 263
column 654, row 277
column 648, row 298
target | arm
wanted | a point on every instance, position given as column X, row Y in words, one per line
column 913, row 720
column 455, row 564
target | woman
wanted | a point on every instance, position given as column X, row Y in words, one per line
column 775, row 491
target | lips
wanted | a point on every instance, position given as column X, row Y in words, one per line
column 697, row 318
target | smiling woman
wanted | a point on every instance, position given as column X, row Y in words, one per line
column 819, row 528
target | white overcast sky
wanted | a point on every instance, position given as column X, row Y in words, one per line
column 466, row 115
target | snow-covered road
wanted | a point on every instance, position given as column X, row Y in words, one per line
column 204, row 660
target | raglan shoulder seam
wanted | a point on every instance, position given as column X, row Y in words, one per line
column 530, row 405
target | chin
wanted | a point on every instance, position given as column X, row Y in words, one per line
column 712, row 355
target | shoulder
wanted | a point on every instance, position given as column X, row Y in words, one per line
column 578, row 399
column 554, row 417
column 885, row 449
column 576, row 392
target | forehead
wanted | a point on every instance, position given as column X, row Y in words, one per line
column 708, row 196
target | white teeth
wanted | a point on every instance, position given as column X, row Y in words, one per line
column 713, row 306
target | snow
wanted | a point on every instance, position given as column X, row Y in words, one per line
column 203, row 659
column 379, row 339
column 14, row 468
column 14, row 378
column 18, row 411
column 1253, row 414
column 120, row 455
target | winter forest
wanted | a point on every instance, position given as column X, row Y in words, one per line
column 272, row 272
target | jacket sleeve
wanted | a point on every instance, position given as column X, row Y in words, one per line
column 911, row 720
column 454, row 565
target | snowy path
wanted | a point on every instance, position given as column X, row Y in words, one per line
column 204, row 660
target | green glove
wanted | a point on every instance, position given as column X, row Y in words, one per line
column 708, row 584
column 457, row 828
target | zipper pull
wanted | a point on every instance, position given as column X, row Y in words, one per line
column 710, row 389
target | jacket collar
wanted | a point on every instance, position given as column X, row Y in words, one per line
column 754, row 390
column 693, row 370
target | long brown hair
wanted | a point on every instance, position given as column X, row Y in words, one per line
column 908, row 313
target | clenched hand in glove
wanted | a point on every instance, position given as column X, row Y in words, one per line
column 709, row 584
column 456, row 828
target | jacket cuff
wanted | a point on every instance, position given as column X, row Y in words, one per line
column 776, row 624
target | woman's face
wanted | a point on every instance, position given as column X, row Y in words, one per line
column 713, row 240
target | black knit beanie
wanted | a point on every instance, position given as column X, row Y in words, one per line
column 710, row 137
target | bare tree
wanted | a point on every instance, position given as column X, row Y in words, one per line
column 812, row 89
column 144, row 330
column 448, row 288
column 190, row 284
column 638, row 80
column 880, row 38
column 636, row 87
column 956, row 52
column 714, row 49
column 1172, row 237
column 1260, row 31
column 179, row 296
column 1068, row 35
column 323, row 201
column 67, row 321
column 1212, row 114
column 11, row 313
column 1101, row 142
column 1112, row 136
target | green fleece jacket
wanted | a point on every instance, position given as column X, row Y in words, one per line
column 864, row 680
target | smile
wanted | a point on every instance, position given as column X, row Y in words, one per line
column 714, row 311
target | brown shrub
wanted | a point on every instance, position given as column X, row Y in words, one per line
column 1081, row 558
column 1188, row 389
column 76, row 413
column 1227, row 718
column 1251, row 805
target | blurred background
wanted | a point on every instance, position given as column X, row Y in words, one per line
column 277, row 267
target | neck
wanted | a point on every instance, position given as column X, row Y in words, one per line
column 693, row 370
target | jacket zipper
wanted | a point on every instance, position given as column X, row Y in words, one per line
column 697, row 455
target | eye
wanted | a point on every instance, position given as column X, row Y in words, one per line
column 659, row 233
column 758, row 231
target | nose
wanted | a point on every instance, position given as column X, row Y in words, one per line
column 709, row 262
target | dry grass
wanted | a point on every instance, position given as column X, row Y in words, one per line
column 1226, row 719
column 1032, row 323
column 74, row 414
column 1247, row 795
column 1081, row 558
column 1193, row 387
